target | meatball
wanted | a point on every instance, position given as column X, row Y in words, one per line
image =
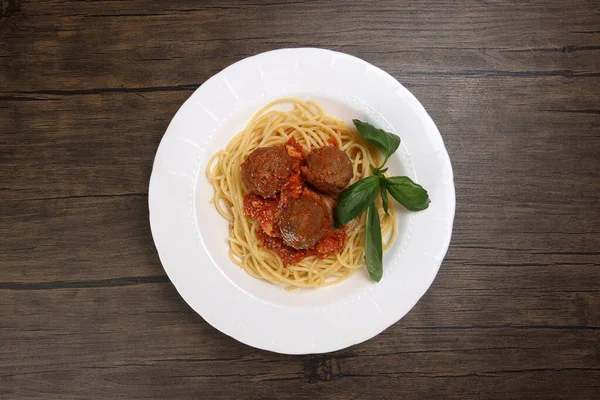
column 304, row 222
column 328, row 169
column 266, row 169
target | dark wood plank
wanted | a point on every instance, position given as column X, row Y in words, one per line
column 87, row 90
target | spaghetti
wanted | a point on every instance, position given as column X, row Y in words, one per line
column 311, row 128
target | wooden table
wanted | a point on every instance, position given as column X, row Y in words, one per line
column 87, row 89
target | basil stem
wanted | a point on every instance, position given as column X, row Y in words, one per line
column 384, row 196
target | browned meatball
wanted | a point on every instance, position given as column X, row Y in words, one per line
column 328, row 169
column 304, row 222
column 266, row 169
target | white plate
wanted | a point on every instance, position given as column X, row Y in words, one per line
column 191, row 237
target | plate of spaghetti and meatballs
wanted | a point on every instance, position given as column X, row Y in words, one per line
column 301, row 201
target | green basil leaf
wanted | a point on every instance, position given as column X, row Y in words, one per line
column 386, row 142
column 384, row 197
column 373, row 244
column 411, row 195
column 356, row 198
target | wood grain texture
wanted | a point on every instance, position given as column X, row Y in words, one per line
column 87, row 88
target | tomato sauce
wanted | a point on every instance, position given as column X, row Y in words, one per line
column 288, row 254
column 267, row 212
column 332, row 243
column 295, row 150
column 264, row 211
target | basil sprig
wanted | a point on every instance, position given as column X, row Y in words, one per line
column 361, row 196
